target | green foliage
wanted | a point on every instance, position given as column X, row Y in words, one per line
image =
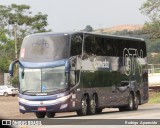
column 154, row 46
column 14, row 81
column 154, row 97
column 151, row 9
column 19, row 19
column 4, row 64
column 88, row 28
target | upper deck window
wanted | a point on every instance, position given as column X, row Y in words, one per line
column 42, row 48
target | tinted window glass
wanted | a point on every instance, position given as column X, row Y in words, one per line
column 111, row 46
column 44, row 48
column 76, row 44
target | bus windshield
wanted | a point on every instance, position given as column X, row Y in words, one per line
column 45, row 48
column 46, row 80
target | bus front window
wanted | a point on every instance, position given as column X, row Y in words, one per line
column 53, row 79
column 46, row 80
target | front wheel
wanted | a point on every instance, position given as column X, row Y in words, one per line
column 50, row 114
column 84, row 106
column 40, row 114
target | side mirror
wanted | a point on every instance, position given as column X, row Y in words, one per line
column 11, row 67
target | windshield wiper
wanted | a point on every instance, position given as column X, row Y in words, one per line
column 25, row 91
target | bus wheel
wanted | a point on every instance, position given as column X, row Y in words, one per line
column 122, row 108
column 40, row 114
column 99, row 110
column 50, row 114
column 92, row 105
column 84, row 106
column 130, row 103
column 136, row 102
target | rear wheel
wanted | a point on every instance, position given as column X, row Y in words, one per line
column 122, row 108
column 99, row 110
column 40, row 114
column 130, row 103
column 50, row 114
column 92, row 105
column 84, row 106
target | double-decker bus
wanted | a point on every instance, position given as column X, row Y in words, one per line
column 82, row 72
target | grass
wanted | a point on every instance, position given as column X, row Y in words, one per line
column 154, row 97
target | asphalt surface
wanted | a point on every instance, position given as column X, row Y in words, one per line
column 148, row 114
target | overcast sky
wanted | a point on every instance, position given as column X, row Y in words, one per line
column 69, row 15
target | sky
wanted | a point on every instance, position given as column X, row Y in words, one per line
column 74, row 15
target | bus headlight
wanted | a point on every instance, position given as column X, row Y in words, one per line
column 64, row 98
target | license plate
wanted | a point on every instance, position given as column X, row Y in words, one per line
column 41, row 108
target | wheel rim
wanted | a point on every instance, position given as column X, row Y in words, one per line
column 84, row 106
column 131, row 102
column 93, row 105
column 136, row 103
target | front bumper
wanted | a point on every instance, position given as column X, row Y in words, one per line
column 57, row 105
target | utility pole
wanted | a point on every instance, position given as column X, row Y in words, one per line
column 15, row 45
column 15, row 40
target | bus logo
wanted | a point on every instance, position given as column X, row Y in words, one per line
column 101, row 64
column 41, row 103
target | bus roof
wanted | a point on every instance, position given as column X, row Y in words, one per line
column 89, row 33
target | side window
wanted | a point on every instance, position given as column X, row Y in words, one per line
column 76, row 49
column 94, row 45
column 89, row 45
column 76, row 44
column 101, row 46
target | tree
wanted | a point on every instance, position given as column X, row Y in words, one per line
column 17, row 21
column 151, row 8
column 19, row 18
column 88, row 28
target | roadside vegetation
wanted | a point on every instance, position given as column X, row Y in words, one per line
column 154, row 97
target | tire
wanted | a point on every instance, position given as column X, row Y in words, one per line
column 84, row 107
column 130, row 105
column 50, row 114
column 99, row 110
column 92, row 105
column 5, row 94
column 122, row 108
column 136, row 102
column 40, row 114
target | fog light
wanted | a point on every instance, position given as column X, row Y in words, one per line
column 63, row 106
column 21, row 107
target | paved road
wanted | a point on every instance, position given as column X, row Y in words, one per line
column 147, row 111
